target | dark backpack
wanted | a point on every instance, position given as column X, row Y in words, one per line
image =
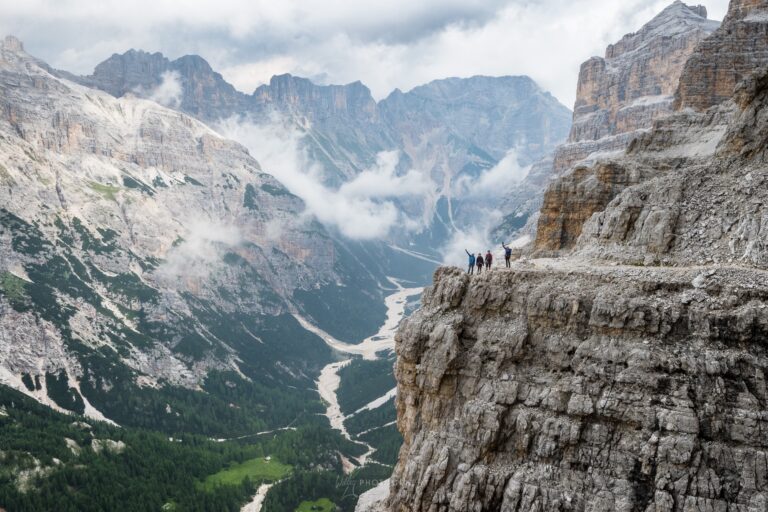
column 507, row 252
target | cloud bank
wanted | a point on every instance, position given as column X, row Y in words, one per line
column 363, row 208
column 495, row 182
column 169, row 92
column 200, row 251
column 384, row 43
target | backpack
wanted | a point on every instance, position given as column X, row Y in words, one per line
column 507, row 252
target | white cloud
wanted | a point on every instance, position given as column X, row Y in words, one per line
column 478, row 239
column 495, row 182
column 169, row 92
column 384, row 43
column 361, row 208
column 200, row 251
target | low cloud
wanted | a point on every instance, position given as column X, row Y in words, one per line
column 362, row 208
column 200, row 251
column 169, row 92
column 476, row 240
column 495, row 182
column 386, row 44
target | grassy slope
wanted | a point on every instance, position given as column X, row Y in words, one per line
column 258, row 470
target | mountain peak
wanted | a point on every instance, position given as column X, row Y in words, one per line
column 676, row 19
column 12, row 43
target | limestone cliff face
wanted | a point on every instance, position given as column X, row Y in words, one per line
column 735, row 50
column 627, row 376
column 724, row 59
column 618, row 96
column 137, row 246
column 584, row 388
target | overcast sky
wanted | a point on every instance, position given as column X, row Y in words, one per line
column 384, row 43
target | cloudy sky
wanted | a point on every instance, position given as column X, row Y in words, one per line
column 384, row 43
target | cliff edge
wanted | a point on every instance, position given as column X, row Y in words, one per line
column 629, row 374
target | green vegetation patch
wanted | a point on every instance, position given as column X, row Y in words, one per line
column 321, row 505
column 91, row 243
column 108, row 191
column 274, row 190
column 249, row 199
column 136, row 184
column 364, row 381
column 193, row 181
column 12, row 287
column 60, row 392
column 257, row 470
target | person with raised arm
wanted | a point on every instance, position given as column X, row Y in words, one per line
column 507, row 254
column 471, row 268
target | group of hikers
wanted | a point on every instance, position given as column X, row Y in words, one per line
column 479, row 261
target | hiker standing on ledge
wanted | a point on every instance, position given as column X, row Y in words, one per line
column 479, row 260
column 507, row 254
column 471, row 268
column 488, row 259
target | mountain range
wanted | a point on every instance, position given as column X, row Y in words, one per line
column 159, row 277
column 450, row 131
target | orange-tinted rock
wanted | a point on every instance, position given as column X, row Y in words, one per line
column 618, row 97
column 723, row 60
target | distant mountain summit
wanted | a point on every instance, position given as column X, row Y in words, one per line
column 144, row 255
column 449, row 129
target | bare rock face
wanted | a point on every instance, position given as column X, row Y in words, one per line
column 724, row 59
column 627, row 376
column 137, row 246
column 584, row 388
column 694, row 210
column 634, row 83
column 618, row 97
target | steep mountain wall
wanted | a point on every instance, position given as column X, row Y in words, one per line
column 618, row 96
column 628, row 375
column 724, row 59
column 579, row 387
column 139, row 249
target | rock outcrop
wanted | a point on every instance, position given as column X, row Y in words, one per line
column 627, row 376
column 617, row 98
column 578, row 387
column 723, row 60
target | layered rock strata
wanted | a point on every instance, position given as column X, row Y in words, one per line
column 618, row 97
column 578, row 387
column 628, row 376
column 723, row 60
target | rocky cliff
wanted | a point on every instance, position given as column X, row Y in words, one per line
column 724, row 59
column 628, row 375
column 617, row 98
column 141, row 252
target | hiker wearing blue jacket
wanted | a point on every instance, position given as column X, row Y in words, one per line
column 471, row 268
column 507, row 254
